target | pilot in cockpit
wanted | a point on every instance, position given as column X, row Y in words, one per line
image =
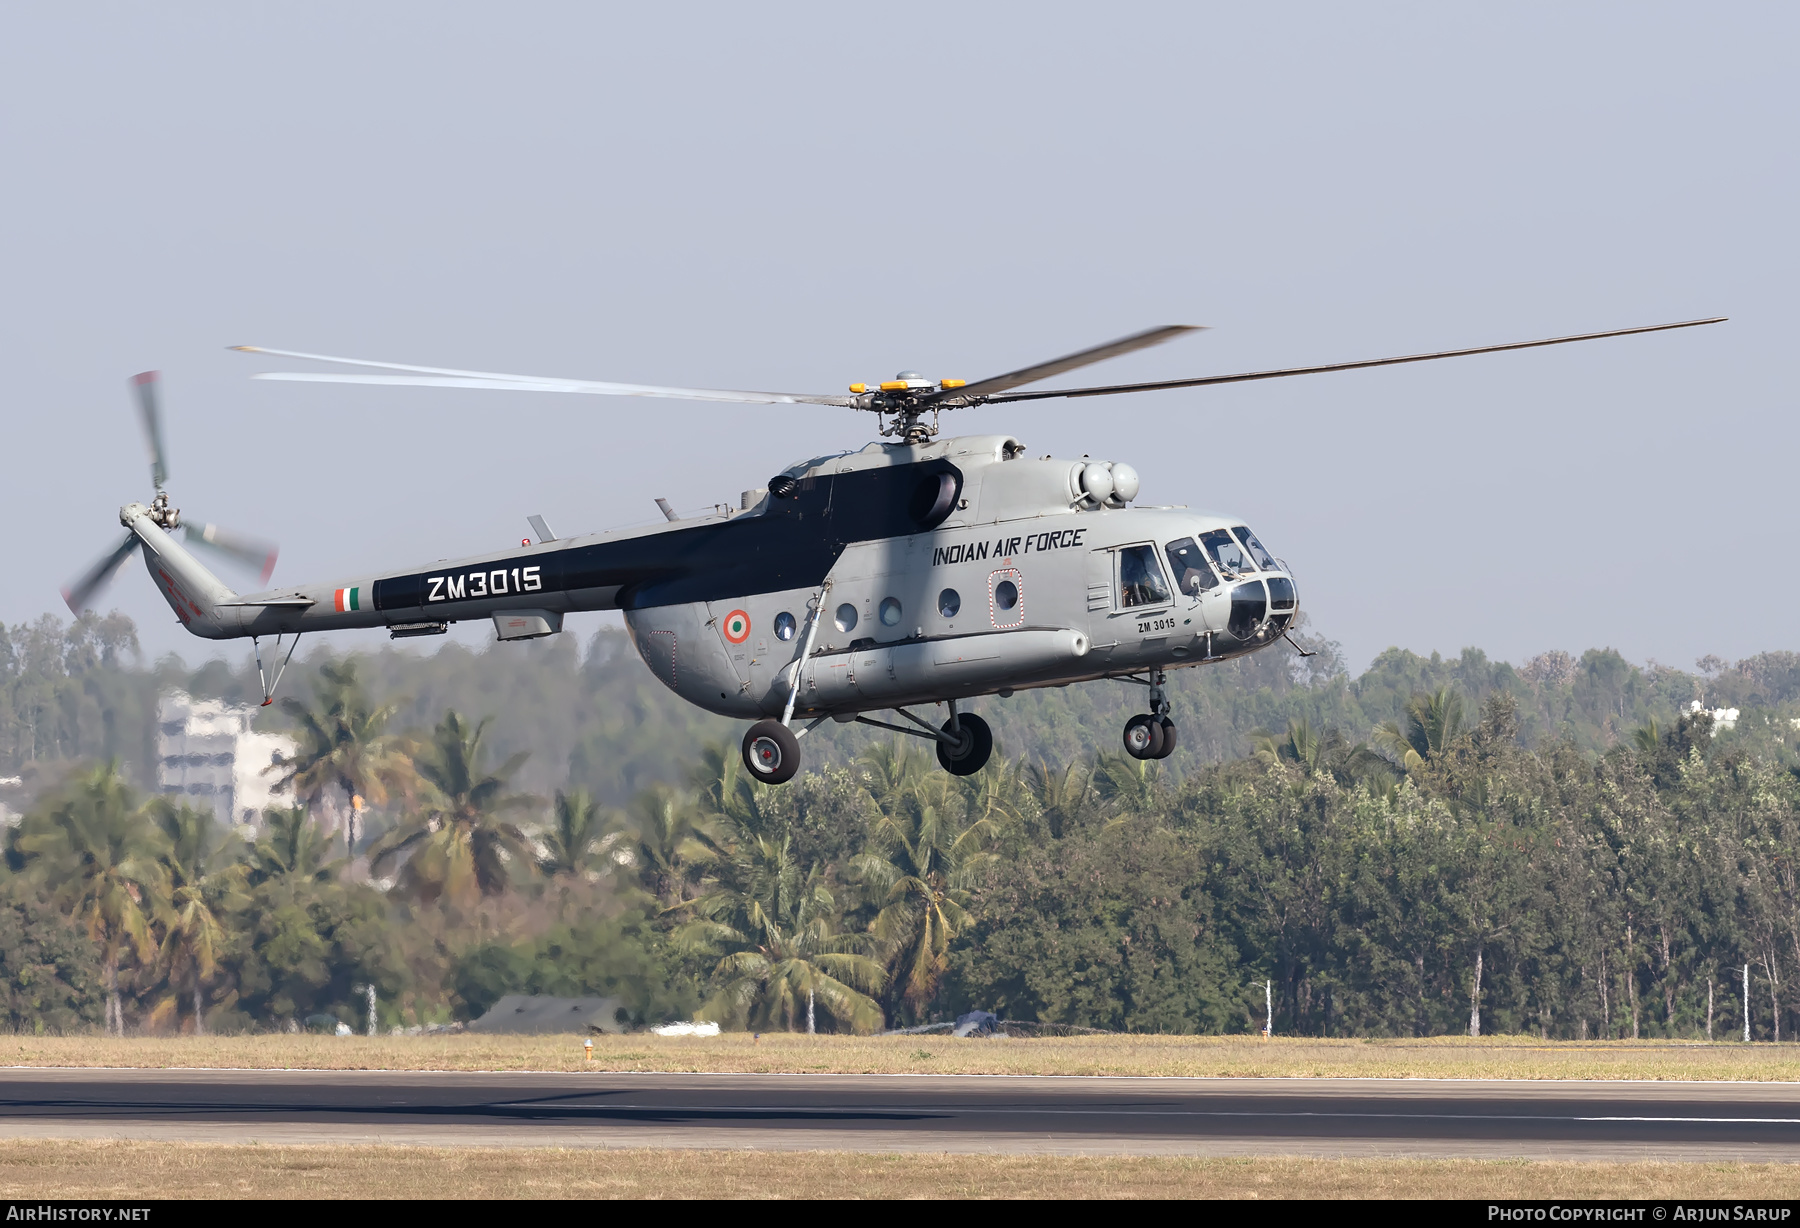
column 1140, row 579
column 1193, row 575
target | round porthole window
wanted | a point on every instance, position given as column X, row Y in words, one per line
column 784, row 626
column 846, row 617
column 1006, row 594
column 949, row 602
column 890, row 611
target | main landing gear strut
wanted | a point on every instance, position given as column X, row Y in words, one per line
column 1151, row 735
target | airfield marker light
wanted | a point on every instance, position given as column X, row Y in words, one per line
column 588, row 1046
column 859, row 387
column 954, row 383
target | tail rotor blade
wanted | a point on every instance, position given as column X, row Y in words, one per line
column 149, row 400
column 252, row 552
column 83, row 591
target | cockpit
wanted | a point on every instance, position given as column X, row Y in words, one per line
column 1263, row 600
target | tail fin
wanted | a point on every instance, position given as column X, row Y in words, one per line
column 193, row 592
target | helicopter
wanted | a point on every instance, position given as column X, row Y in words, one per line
column 917, row 571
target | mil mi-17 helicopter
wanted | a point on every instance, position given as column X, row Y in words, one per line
column 915, row 572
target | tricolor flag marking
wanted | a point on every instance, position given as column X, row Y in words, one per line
column 348, row 599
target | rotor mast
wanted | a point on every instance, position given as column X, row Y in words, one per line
column 906, row 398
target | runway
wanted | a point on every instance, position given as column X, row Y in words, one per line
column 1073, row 1115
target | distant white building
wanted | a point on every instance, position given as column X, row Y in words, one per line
column 207, row 753
column 1723, row 718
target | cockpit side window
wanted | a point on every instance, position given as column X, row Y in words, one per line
column 1263, row 558
column 1193, row 574
column 1140, row 577
column 1226, row 552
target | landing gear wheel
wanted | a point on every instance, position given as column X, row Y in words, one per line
column 977, row 745
column 771, row 752
column 1144, row 737
column 1168, row 738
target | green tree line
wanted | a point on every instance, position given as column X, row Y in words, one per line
column 593, row 717
column 1560, row 850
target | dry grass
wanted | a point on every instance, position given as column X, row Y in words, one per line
column 57, row 1169
column 1238, row 1057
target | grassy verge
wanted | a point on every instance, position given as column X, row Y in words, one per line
column 57, row 1169
column 1238, row 1057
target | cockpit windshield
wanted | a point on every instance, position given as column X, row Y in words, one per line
column 1263, row 558
column 1193, row 574
column 1226, row 552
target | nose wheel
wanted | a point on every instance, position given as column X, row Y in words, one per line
column 1152, row 735
column 1148, row 736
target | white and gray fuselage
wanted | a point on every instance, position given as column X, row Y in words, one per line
column 940, row 570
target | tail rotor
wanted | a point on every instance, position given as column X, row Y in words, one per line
column 80, row 593
column 252, row 553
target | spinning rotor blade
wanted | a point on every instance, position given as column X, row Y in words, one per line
column 1056, row 366
column 150, row 413
column 253, row 552
column 1159, row 385
column 82, row 591
column 445, row 377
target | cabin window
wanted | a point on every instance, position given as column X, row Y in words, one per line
column 1006, row 598
column 890, row 611
column 949, row 602
column 784, row 626
column 1193, row 574
column 1140, row 577
column 846, row 617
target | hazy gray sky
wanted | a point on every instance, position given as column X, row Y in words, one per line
column 797, row 197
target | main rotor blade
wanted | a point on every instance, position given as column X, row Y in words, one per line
column 253, row 552
column 95, row 578
column 145, row 384
column 1081, row 358
column 493, row 381
column 1159, row 385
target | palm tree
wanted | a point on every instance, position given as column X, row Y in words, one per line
column 343, row 748
column 677, row 842
column 1348, row 763
column 1299, row 745
column 775, row 927
column 920, row 871
column 291, row 844
column 206, row 874
column 579, row 839
column 726, row 798
column 460, row 843
column 1130, row 786
column 889, row 770
column 1063, row 797
column 94, row 845
column 1432, row 723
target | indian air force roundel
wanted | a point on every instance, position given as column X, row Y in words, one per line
column 737, row 626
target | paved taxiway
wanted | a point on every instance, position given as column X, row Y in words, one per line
column 1549, row 1120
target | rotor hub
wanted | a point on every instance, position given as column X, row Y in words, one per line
column 162, row 515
